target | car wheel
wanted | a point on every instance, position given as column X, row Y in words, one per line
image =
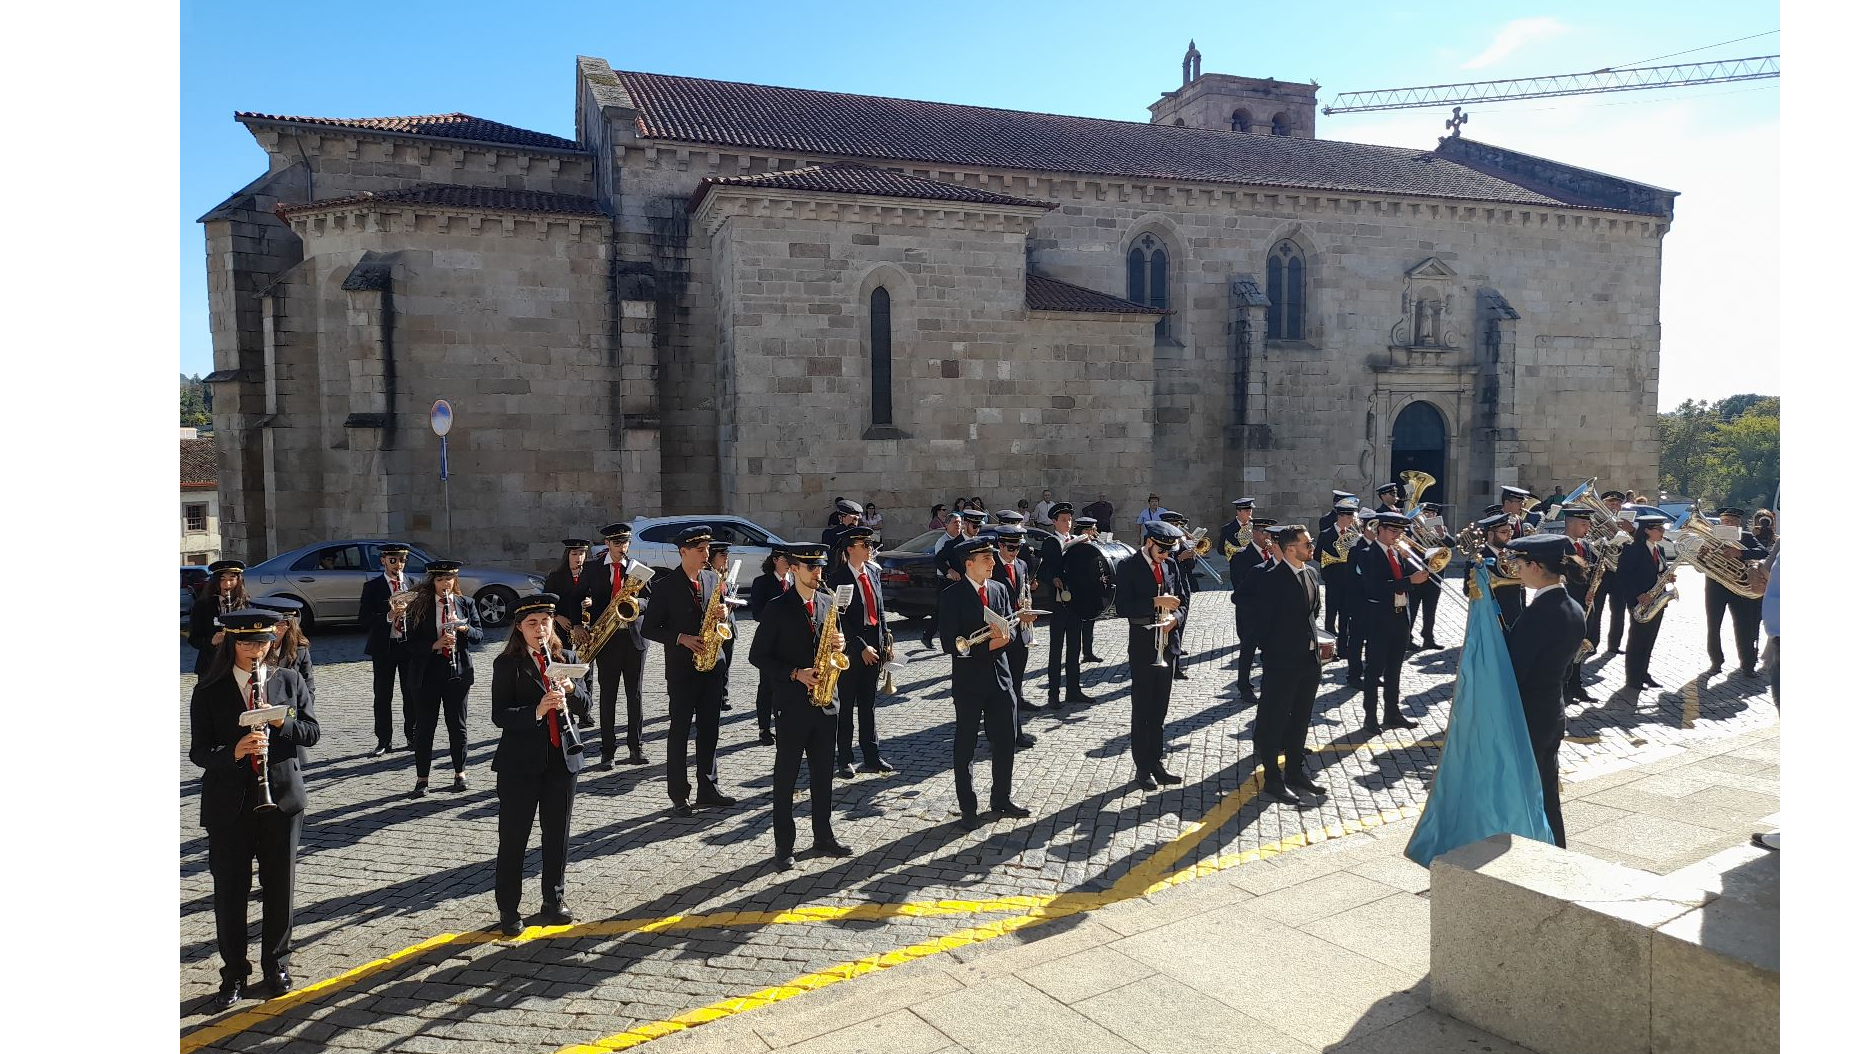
column 494, row 605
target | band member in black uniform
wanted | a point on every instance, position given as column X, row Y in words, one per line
column 1641, row 565
column 1082, row 577
column 1186, row 557
column 442, row 625
column 770, row 584
column 1422, row 601
column 1388, row 496
column 1289, row 598
column 1341, row 497
column 953, row 530
column 1146, row 591
column 1504, row 585
column 386, row 642
column 674, row 619
column 1246, row 570
column 1578, row 562
column 980, row 685
column 719, row 563
column 538, row 759
column 242, row 832
column 1063, row 629
column 948, row 560
column 847, row 514
column 1337, row 572
column 1543, row 644
column 1012, row 572
column 1516, row 510
column 291, row 650
column 863, row 625
column 1235, row 534
column 1388, row 570
column 622, row 661
column 1746, row 613
column 787, row 640
column 563, row 580
column 222, row 593
column 1354, row 614
column 1610, row 598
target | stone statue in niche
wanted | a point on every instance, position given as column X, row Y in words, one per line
column 1425, row 308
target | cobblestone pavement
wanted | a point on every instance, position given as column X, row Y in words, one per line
column 392, row 941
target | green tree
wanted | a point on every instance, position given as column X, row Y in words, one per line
column 1723, row 453
column 194, row 403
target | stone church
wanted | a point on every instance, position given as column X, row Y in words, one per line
column 733, row 297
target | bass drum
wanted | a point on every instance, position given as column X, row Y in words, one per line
column 1109, row 554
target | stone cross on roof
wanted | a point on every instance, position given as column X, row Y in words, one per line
column 1457, row 121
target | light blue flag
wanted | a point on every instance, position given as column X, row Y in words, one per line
column 1487, row 782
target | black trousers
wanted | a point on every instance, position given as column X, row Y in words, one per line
column 1594, row 616
column 801, row 728
column 1246, row 659
column 1548, row 747
column 387, row 671
column 1065, row 639
column 1354, row 644
column 449, row 698
column 523, row 796
column 1151, row 700
column 858, row 694
column 269, row 841
column 722, row 672
column 1640, row 649
column 1086, row 639
column 1422, row 607
column 764, row 705
column 977, row 713
column 1285, row 711
column 695, row 700
column 1388, row 629
column 1337, row 606
column 1746, row 615
column 621, row 662
column 1018, row 666
column 1619, row 617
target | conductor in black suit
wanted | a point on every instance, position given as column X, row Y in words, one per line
column 787, row 641
column 1146, row 592
column 1289, row 596
column 980, row 684
column 767, row 587
column 534, row 771
column 1388, row 571
column 674, row 618
column 384, row 643
column 622, row 661
column 239, row 837
column 1543, row 644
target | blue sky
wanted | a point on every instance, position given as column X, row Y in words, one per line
column 1718, row 145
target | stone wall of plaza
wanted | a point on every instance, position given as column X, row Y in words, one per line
column 987, row 396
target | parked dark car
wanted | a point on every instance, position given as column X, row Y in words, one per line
column 912, row 579
column 328, row 576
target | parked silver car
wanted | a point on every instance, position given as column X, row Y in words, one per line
column 327, row 577
column 653, row 542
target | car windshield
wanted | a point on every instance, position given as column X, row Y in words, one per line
column 923, row 543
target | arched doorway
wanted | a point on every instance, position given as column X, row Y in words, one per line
column 1418, row 442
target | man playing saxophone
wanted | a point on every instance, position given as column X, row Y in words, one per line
column 622, row 658
column 787, row 651
column 675, row 619
column 1746, row 612
column 1643, row 569
column 862, row 624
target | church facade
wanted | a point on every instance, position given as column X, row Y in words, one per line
column 724, row 297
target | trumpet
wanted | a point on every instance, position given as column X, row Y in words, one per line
column 964, row 644
column 1163, row 626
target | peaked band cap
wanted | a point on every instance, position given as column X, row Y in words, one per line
column 1244, row 503
column 982, row 543
column 576, row 543
column 286, row 606
column 849, row 507
column 1061, row 508
column 1495, row 519
column 393, row 549
column 1515, row 492
column 538, row 602
column 813, row 554
column 1082, row 522
column 693, row 535
column 615, row 530
column 1160, row 531
column 248, row 622
column 1392, row 519
column 227, row 565
column 975, row 515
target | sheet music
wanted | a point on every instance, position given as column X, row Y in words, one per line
column 1001, row 624
column 571, row 671
column 842, row 596
column 263, row 715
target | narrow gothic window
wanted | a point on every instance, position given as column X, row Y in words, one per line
column 881, row 357
column 1278, row 125
column 1288, row 292
column 1147, row 275
column 1239, row 121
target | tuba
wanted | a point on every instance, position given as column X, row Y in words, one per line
column 829, row 662
column 1416, row 484
column 1707, row 552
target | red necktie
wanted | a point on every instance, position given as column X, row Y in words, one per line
column 1014, row 587
column 1158, row 572
column 871, row 607
column 982, row 591
column 810, row 611
column 253, row 701
column 1393, row 558
column 1581, row 550
column 553, row 724
column 618, row 577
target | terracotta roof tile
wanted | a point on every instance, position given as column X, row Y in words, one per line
column 452, row 195
column 459, row 126
column 834, row 124
column 199, row 462
column 1052, row 294
column 866, row 180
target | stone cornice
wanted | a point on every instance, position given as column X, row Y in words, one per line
column 311, row 130
column 401, row 218
column 722, row 202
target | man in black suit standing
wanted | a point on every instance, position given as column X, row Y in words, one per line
column 1082, row 574
column 1642, row 565
column 862, row 623
column 768, row 586
column 1246, row 569
column 384, row 642
column 1012, row 572
column 1543, row 644
column 787, row 641
column 1746, row 612
column 980, row 684
column 1388, row 571
column 1185, row 556
column 623, row 657
column 1147, row 592
column 1337, row 571
column 1063, row 629
column 1289, row 598
column 674, row 618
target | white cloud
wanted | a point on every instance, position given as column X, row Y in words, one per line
column 1512, row 37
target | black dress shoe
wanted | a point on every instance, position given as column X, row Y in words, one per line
column 969, row 819
column 422, row 788
column 716, row 798
column 1180, row 675
column 682, row 808
column 381, row 750
column 1081, row 697
column 784, row 862
column 1166, row 778
column 274, row 985
column 1054, row 704
column 1300, row 781
column 1090, row 657
column 229, row 995
column 1146, row 782
column 637, row 758
column 1750, row 672
column 1716, row 667
column 844, row 771
column 766, row 739
column 1028, row 706
column 725, row 704
column 1024, row 741
column 511, row 925
column 1432, row 645
column 1650, row 683
column 1010, row 809
column 1399, row 721
column 881, row 765
column 602, row 765
column 1371, row 727
column 460, row 784
column 831, row 848
column 1277, row 789
column 556, row 914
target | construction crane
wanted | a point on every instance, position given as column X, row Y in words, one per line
column 1761, row 67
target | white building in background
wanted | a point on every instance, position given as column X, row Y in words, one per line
column 201, row 519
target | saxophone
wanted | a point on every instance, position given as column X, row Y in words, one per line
column 716, row 629
column 828, row 661
column 622, row 609
column 1650, row 604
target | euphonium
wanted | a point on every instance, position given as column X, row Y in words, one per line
column 828, row 661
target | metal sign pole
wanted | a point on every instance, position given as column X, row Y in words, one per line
column 441, row 419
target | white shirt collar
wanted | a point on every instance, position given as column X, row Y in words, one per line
column 1544, row 589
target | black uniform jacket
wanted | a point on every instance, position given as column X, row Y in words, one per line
column 1246, row 570
column 215, row 726
column 1639, row 570
column 1053, row 562
column 674, row 609
column 1132, row 598
column 561, row 582
column 1083, row 573
column 766, row 589
column 787, row 640
column 852, row 622
column 1024, row 633
column 1284, row 615
column 595, row 584
column 1542, row 644
column 960, row 614
column 374, row 612
column 526, row 746
column 202, row 628
column 422, row 637
column 1580, row 591
column 1376, row 577
column 949, row 560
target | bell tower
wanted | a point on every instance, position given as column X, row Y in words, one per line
column 1264, row 106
